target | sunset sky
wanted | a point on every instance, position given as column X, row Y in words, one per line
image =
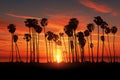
column 58, row 13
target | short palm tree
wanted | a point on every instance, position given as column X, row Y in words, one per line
column 114, row 31
column 87, row 33
column 18, row 57
column 27, row 37
column 62, row 36
column 12, row 29
column 82, row 43
column 49, row 37
column 107, row 31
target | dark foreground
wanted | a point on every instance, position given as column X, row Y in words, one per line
column 61, row 71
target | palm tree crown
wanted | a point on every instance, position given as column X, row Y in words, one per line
column 11, row 28
column 114, row 29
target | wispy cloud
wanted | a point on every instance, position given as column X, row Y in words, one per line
column 100, row 7
column 20, row 16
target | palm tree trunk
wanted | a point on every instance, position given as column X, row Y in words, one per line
column 46, row 45
column 33, row 45
column 65, row 49
column 49, row 57
column 98, row 46
column 18, row 52
column 72, row 50
column 114, row 47
column 88, row 49
column 91, row 47
column 27, row 53
column 69, row 48
column 30, row 47
column 12, row 49
column 109, row 48
column 75, row 46
column 82, row 54
column 103, row 47
column 38, row 49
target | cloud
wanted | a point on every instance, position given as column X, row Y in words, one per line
column 100, row 7
column 20, row 16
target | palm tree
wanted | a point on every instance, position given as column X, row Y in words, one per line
column 107, row 31
column 38, row 30
column 114, row 30
column 27, row 37
column 90, row 28
column 73, row 23
column 62, row 35
column 15, row 37
column 44, row 23
column 103, row 26
column 68, row 30
column 87, row 33
column 98, row 20
column 12, row 28
column 31, row 23
column 49, row 36
column 82, row 43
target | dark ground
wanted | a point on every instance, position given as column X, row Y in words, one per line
column 61, row 71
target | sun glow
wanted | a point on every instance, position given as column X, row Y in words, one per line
column 58, row 56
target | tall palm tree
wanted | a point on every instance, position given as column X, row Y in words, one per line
column 103, row 26
column 114, row 31
column 90, row 28
column 27, row 37
column 107, row 31
column 44, row 23
column 38, row 30
column 31, row 23
column 68, row 30
column 12, row 28
column 87, row 33
column 98, row 20
column 74, row 24
column 82, row 43
column 18, row 57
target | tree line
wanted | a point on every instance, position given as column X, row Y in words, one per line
column 76, row 41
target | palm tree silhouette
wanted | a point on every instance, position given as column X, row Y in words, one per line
column 82, row 43
column 98, row 20
column 38, row 29
column 49, row 37
column 12, row 28
column 87, row 33
column 31, row 23
column 27, row 37
column 44, row 23
column 90, row 28
column 114, row 31
column 62, row 35
column 107, row 31
column 103, row 26
column 73, row 23
column 68, row 30
column 18, row 57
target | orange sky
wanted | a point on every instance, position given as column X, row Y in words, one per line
column 58, row 16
